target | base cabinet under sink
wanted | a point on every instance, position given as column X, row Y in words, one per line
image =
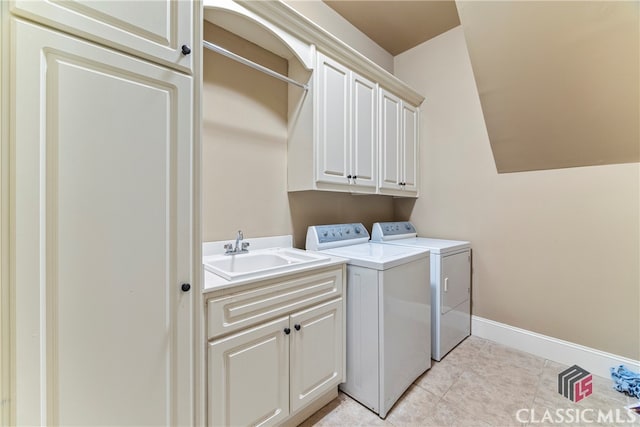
column 249, row 376
column 267, row 373
column 316, row 350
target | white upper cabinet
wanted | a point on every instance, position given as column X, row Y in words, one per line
column 410, row 120
column 155, row 30
column 390, row 146
column 399, row 144
column 346, row 127
column 334, row 132
column 364, row 147
column 101, row 204
column 333, row 122
column 348, row 134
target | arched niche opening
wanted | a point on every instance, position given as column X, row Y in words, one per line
column 245, row 118
column 252, row 27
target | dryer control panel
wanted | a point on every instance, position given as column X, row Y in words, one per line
column 392, row 230
column 331, row 236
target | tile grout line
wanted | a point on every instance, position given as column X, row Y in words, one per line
column 537, row 389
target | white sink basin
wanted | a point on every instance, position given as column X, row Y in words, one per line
column 260, row 262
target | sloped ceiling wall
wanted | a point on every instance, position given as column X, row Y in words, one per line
column 559, row 82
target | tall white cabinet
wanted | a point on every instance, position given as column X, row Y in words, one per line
column 156, row 30
column 101, row 207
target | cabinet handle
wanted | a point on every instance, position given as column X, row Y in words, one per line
column 186, row 50
column 348, row 176
column 185, row 287
column 297, row 326
column 287, row 331
column 355, row 177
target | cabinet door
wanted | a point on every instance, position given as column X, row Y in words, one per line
column 364, row 147
column 101, row 210
column 410, row 148
column 333, row 116
column 153, row 29
column 317, row 343
column 390, row 145
column 249, row 377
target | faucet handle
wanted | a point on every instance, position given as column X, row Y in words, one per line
column 228, row 246
column 245, row 245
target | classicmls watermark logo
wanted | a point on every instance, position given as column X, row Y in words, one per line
column 567, row 416
column 575, row 383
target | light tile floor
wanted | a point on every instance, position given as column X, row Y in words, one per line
column 482, row 383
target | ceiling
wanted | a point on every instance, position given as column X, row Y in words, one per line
column 398, row 25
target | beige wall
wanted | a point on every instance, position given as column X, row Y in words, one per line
column 331, row 21
column 555, row 252
column 324, row 207
column 244, row 154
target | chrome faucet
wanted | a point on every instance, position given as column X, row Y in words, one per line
column 239, row 238
column 239, row 248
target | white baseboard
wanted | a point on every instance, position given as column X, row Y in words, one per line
column 595, row 361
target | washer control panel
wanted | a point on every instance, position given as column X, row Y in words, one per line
column 334, row 235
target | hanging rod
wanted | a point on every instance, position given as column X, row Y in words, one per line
column 251, row 64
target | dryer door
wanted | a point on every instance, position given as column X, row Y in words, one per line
column 455, row 280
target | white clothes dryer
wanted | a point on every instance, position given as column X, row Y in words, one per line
column 450, row 282
column 388, row 313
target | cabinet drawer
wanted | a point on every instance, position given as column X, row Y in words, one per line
column 235, row 311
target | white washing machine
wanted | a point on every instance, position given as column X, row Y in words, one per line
column 388, row 313
column 450, row 282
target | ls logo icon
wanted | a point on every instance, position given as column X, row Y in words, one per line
column 575, row 383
